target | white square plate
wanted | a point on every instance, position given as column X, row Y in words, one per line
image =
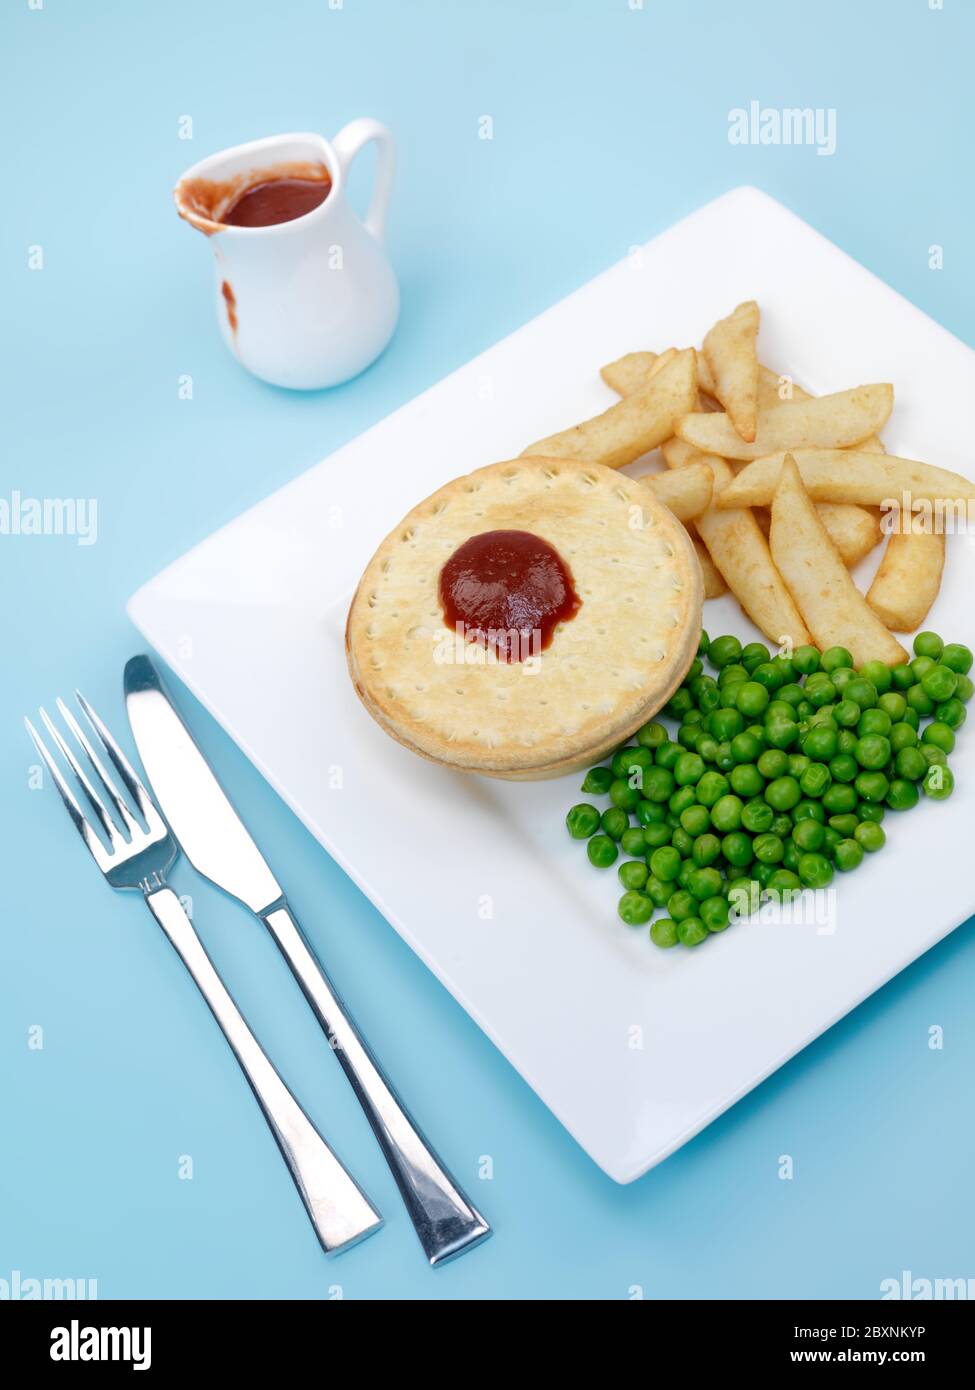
column 633, row 1048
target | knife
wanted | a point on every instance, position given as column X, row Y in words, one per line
column 219, row 846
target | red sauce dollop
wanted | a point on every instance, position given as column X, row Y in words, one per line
column 507, row 590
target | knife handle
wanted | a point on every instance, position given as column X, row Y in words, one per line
column 445, row 1221
column 339, row 1210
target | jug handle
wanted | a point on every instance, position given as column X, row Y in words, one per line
column 347, row 145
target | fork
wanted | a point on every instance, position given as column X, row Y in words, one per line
column 139, row 859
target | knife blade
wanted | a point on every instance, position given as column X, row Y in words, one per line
column 209, row 830
column 219, row 846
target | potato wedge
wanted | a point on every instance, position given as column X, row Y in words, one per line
column 686, row 492
column 633, row 426
column 666, row 356
column 729, row 349
column 854, row 531
column 829, row 601
column 714, row 585
column 628, row 373
column 772, row 385
column 848, row 475
column 820, row 422
column 909, row 577
column 741, row 554
column 705, row 378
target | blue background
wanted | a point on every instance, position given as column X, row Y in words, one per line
column 610, row 122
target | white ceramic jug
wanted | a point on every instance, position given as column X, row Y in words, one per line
column 310, row 302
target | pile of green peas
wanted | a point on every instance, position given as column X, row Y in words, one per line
column 781, row 773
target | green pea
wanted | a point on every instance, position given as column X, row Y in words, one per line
column 768, row 849
column 933, row 755
column 704, row 690
column 842, row 677
column 844, row 767
column 706, row 850
column 746, row 747
column 650, row 813
column 902, row 677
column 695, row 819
column 754, row 654
column 633, row 875
column 790, row 695
column 878, row 674
column 704, row 883
column 928, row 644
column 695, row 669
column 746, row 780
column 870, row 810
column 873, row 752
column 862, row 692
column 735, row 675
column 752, row 699
column 707, row 747
column 757, row 817
column 831, row 838
column 939, row 783
column 665, row 863
column 951, row 712
column 844, row 825
column 782, row 825
column 658, row 891
column 658, row 784
column 870, row 836
column 635, row 909
column 903, row 794
column 839, row 799
column 874, row 721
column 920, row 701
column 656, row 835
column 902, row 736
column 821, row 694
column 815, row 870
column 774, row 762
column 626, row 797
column 737, row 849
column 848, row 855
column 681, row 904
column 785, row 666
column 666, row 755
column 808, row 809
column 691, row 931
column 597, row 781
column 725, row 723
column 613, row 822
column 834, row 657
column 679, row 703
column 846, row 713
column 782, row 793
column 714, row 913
column 940, row 735
column 688, row 735
column 682, row 842
column 806, row 660
column 783, row 883
column 582, row 821
column 781, row 733
column 663, row 932
column 958, row 658
column 767, row 674
column 791, row 856
column 820, row 745
column 846, row 739
column 893, row 704
column 762, row 872
column 630, row 759
column 723, row 761
column 651, row 735
column 632, row 841
column 815, row 780
column 912, row 718
column 711, row 788
column 723, row 651
column 726, row 813
column 602, row 851
column 921, row 665
column 681, row 799
column 687, row 868
column 744, row 894
column 809, row 835
column 939, row 683
column 872, row 786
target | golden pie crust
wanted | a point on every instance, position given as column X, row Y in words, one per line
column 607, row 669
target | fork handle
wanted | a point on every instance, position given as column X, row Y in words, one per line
column 445, row 1221
column 340, row 1211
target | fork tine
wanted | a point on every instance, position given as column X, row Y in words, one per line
column 124, row 768
column 107, row 824
column 125, row 815
column 95, row 846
